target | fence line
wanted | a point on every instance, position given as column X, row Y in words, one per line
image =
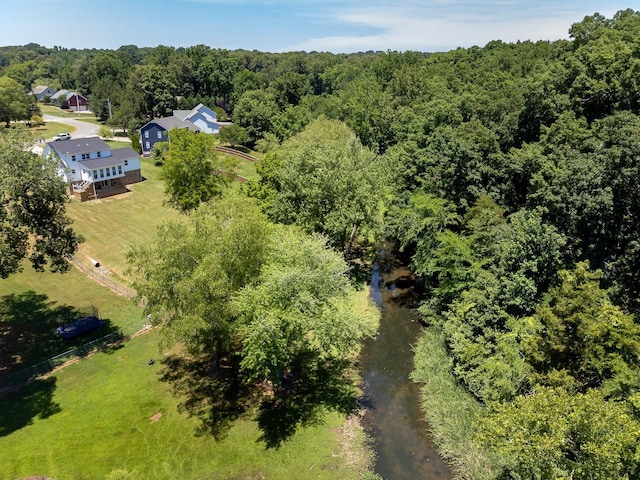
column 100, row 277
column 236, row 153
column 47, row 366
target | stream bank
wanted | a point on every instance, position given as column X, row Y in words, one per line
column 393, row 418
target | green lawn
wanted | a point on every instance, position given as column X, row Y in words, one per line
column 33, row 304
column 58, row 112
column 246, row 169
column 113, row 225
column 51, row 129
column 118, row 144
column 111, row 411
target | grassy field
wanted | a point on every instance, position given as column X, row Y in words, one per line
column 246, row 169
column 51, row 129
column 33, row 304
column 113, row 225
column 58, row 112
column 118, row 144
column 110, row 411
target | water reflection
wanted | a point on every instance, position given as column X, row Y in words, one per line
column 394, row 419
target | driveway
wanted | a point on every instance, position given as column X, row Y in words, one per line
column 82, row 129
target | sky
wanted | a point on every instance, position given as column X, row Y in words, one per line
column 338, row 26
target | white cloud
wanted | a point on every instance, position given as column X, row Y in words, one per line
column 443, row 25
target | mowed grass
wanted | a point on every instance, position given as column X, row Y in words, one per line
column 51, row 129
column 118, row 144
column 111, row 411
column 33, row 304
column 246, row 169
column 58, row 112
column 113, row 225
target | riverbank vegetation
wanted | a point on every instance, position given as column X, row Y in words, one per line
column 507, row 173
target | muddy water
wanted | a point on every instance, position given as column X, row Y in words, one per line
column 393, row 418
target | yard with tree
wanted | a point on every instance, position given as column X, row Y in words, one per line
column 507, row 177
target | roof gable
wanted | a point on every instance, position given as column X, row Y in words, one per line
column 40, row 89
column 59, row 93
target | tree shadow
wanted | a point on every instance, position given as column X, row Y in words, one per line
column 215, row 398
column 28, row 323
column 302, row 399
column 219, row 398
column 18, row 409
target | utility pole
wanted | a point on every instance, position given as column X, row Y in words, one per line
column 109, row 105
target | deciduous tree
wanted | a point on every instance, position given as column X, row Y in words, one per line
column 15, row 102
column 33, row 223
column 192, row 171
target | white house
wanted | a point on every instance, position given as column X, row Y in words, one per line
column 201, row 116
column 92, row 169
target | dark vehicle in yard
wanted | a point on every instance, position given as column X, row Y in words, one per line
column 79, row 327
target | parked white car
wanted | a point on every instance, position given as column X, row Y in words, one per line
column 62, row 136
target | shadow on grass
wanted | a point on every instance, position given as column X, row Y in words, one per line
column 18, row 410
column 302, row 400
column 217, row 400
column 28, row 323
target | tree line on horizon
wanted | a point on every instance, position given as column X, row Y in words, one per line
column 507, row 173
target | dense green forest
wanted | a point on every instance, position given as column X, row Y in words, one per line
column 509, row 174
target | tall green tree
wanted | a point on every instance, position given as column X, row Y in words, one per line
column 325, row 181
column 33, row 222
column 189, row 275
column 192, row 171
column 580, row 340
column 15, row 102
column 553, row 434
column 301, row 312
column 255, row 111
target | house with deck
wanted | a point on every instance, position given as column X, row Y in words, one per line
column 92, row 169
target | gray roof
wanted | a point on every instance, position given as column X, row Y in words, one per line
column 58, row 93
column 118, row 156
column 39, row 89
column 181, row 114
column 76, row 146
column 170, row 122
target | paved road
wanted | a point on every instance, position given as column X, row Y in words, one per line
column 82, row 129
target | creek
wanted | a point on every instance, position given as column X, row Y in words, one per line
column 393, row 417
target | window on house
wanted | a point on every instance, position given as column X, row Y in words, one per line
column 85, row 156
column 99, row 154
column 73, row 158
column 113, row 170
column 146, row 134
column 119, row 169
column 73, row 171
column 126, row 162
column 95, row 174
column 108, row 172
column 147, row 145
column 159, row 134
column 101, row 173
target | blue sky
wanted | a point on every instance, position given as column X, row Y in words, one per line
column 286, row 25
